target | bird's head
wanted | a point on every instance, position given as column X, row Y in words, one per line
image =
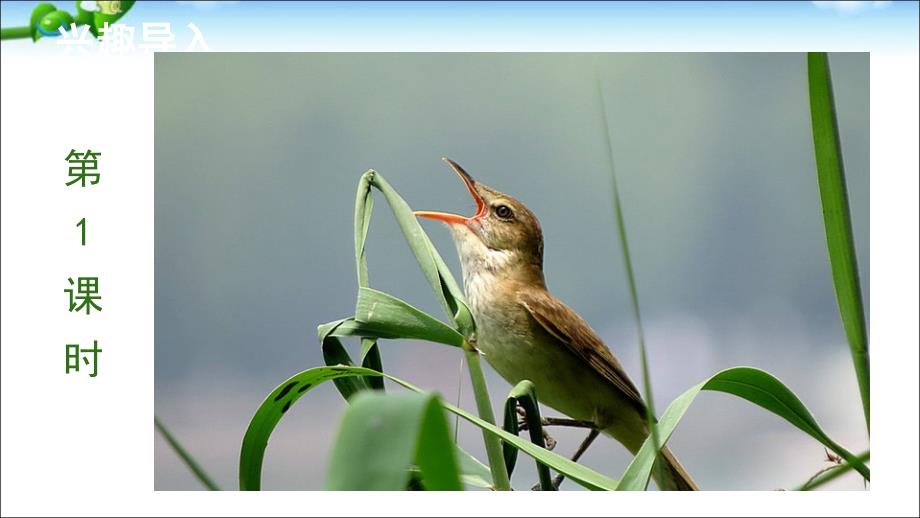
column 502, row 237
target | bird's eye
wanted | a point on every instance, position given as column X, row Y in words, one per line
column 504, row 212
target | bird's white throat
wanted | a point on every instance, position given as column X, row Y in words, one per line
column 482, row 266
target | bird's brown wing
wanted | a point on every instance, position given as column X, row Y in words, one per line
column 571, row 330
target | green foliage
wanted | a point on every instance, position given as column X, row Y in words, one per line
column 402, row 318
column 388, row 435
column 370, row 358
column 831, row 473
column 47, row 20
column 280, row 400
column 631, row 282
column 383, row 435
column 396, row 318
column 186, row 457
column 445, row 287
column 401, row 440
column 524, row 394
column 472, row 472
column 748, row 383
column 42, row 16
column 837, row 227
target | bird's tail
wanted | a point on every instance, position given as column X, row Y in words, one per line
column 672, row 476
column 668, row 473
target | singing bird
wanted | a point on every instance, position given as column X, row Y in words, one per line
column 525, row 332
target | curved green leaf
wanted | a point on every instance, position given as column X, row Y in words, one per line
column 444, row 285
column 382, row 435
column 364, row 205
column 397, row 318
column 510, row 425
column 525, row 395
column 270, row 412
column 370, row 358
column 473, row 472
column 580, row 474
column 748, row 383
column 432, row 265
column 837, row 227
column 350, row 327
column 41, row 10
column 280, row 400
column 334, row 353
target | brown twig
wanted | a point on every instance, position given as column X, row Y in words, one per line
column 557, row 421
column 835, row 461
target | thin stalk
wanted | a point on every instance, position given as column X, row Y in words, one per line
column 830, row 474
column 631, row 280
column 12, row 33
column 186, row 457
column 459, row 392
column 484, row 408
column 838, row 230
column 532, row 412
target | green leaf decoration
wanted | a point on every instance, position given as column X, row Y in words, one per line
column 46, row 19
column 837, row 227
column 106, row 14
column 748, row 383
column 382, row 435
column 38, row 14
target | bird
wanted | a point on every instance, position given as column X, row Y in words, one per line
column 526, row 333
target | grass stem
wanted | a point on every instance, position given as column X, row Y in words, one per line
column 484, row 408
column 186, row 457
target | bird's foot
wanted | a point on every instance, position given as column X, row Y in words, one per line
column 549, row 440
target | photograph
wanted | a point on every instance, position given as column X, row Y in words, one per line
column 511, row 271
column 434, row 258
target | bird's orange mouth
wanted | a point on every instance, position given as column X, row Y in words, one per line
column 449, row 218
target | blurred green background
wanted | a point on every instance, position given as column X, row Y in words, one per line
column 257, row 161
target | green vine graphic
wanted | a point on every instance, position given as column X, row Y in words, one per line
column 47, row 20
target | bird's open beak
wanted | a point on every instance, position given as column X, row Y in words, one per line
column 449, row 218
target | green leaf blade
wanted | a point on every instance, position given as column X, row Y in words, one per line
column 398, row 318
column 472, row 471
column 755, row 386
column 837, row 225
column 525, row 395
column 186, row 457
column 334, row 353
column 434, row 269
column 370, row 358
column 272, row 409
column 382, row 436
column 285, row 395
column 650, row 414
